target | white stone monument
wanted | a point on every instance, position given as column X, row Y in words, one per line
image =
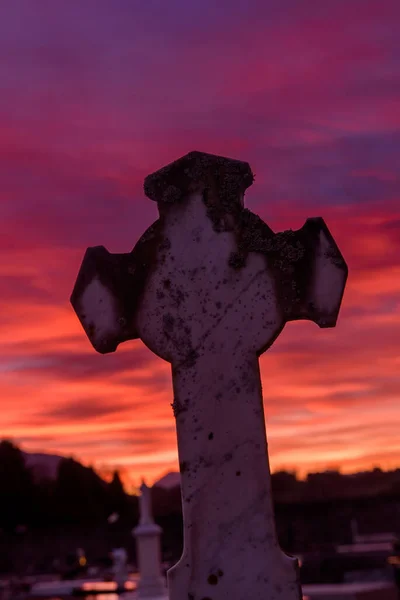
column 208, row 288
column 151, row 583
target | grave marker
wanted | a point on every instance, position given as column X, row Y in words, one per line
column 209, row 287
column 151, row 583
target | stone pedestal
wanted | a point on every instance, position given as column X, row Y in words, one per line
column 151, row 583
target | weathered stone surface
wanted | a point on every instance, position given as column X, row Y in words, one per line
column 216, row 290
column 108, row 289
column 196, row 172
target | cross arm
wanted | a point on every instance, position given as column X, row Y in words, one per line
column 313, row 274
column 108, row 289
column 309, row 270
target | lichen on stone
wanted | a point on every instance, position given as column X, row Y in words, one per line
column 172, row 194
column 224, row 178
column 334, row 255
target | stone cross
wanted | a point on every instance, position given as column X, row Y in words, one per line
column 208, row 288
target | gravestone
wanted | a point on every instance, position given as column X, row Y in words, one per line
column 151, row 584
column 209, row 287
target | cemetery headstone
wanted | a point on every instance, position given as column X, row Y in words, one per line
column 209, row 287
column 151, row 583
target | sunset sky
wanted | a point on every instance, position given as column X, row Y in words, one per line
column 96, row 94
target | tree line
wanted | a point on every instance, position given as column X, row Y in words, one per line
column 78, row 495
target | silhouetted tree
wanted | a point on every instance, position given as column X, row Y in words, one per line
column 80, row 494
column 44, row 508
column 16, row 487
column 117, row 495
